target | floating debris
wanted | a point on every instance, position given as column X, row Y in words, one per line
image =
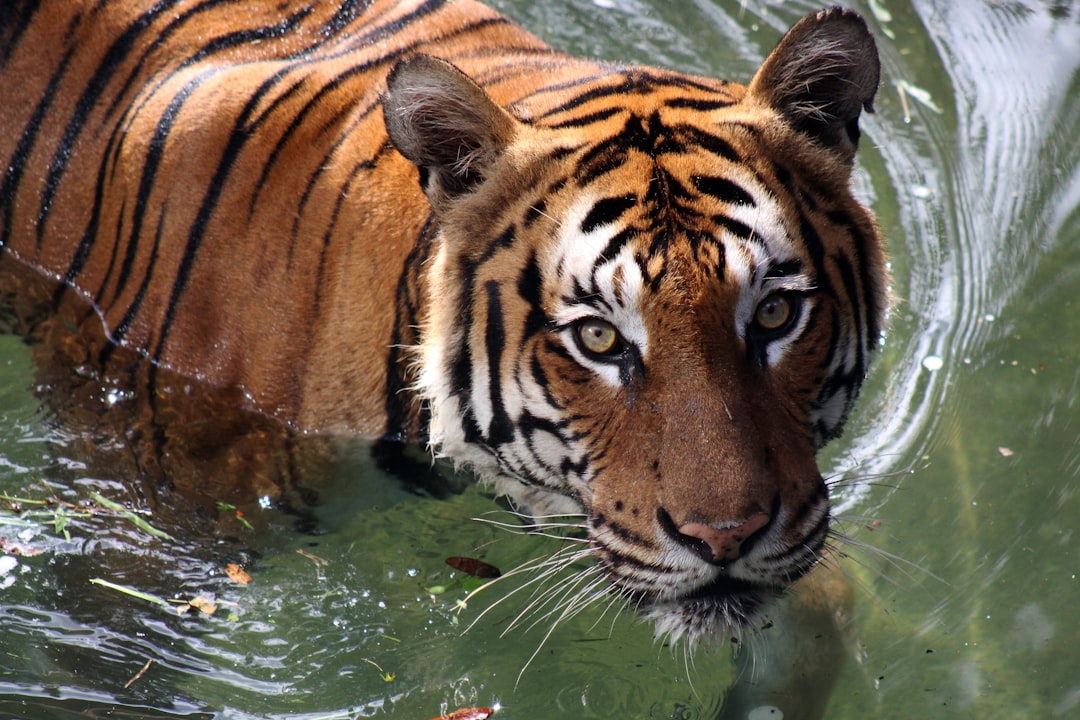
column 472, row 566
column 473, row 713
column 237, row 574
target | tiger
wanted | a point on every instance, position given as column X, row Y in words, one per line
column 633, row 296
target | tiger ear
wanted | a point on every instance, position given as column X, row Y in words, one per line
column 445, row 123
column 821, row 75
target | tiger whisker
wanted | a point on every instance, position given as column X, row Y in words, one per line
column 550, row 566
column 538, row 211
column 566, row 614
column 899, row 563
column 544, row 595
column 848, row 477
column 575, row 601
column 615, row 597
column 536, row 528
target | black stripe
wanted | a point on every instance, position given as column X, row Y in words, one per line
column 158, row 39
column 146, row 187
column 814, row 247
column 279, row 146
column 607, row 211
column 529, row 285
column 405, row 419
column 540, row 378
column 461, row 365
column 237, row 139
column 588, row 119
column 847, row 276
column 612, row 249
column 707, row 141
column 701, row 104
column 625, row 81
column 16, row 166
column 803, row 511
column 358, row 170
column 740, row 230
column 866, row 273
column 15, row 17
column 601, row 524
column 784, row 269
column 117, row 334
column 501, row 430
column 347, row 12
column 833, row 344
column 616, row 89
column 723, row 190
column 535, row 212
column 92, row 92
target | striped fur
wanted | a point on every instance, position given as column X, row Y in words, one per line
column 299, row 200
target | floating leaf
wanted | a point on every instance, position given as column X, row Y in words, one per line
column 203, row 604
column 129, row 515
column 472, row 566
column 130, row 591
column 237, row 574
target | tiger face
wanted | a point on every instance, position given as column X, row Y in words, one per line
column 655, row 318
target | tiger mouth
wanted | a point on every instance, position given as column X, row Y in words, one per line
column 724, row 607
column 719, row 610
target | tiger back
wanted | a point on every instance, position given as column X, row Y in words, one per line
column 627, row 293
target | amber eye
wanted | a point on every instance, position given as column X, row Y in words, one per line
column 773, row 312
column 597, row 336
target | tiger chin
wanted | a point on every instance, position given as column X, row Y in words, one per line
column 625, row 293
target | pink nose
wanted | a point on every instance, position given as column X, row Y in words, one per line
column 724, row 543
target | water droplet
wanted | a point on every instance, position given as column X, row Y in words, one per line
column 932, row 363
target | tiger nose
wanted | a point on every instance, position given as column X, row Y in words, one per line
column 720, row 544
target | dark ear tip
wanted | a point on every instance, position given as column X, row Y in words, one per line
column 412, row 64
column 842, row 14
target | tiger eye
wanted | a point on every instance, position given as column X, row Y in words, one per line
column 597, row 336
column 773, row 312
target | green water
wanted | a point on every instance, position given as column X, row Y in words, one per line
column 956, row 475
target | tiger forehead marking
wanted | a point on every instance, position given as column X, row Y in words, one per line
column 639, row 296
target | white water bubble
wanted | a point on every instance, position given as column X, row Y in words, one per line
column 933, row 362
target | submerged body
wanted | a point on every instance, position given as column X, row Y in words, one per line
column 623, row 292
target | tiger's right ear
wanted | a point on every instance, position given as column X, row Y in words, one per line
column 823, row 73
column 445, row 123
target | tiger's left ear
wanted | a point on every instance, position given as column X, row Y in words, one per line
column 445, row 123
column 821, row 75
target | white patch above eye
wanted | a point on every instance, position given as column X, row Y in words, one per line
column 588, row 284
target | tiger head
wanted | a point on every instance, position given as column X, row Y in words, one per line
column 651, row 303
